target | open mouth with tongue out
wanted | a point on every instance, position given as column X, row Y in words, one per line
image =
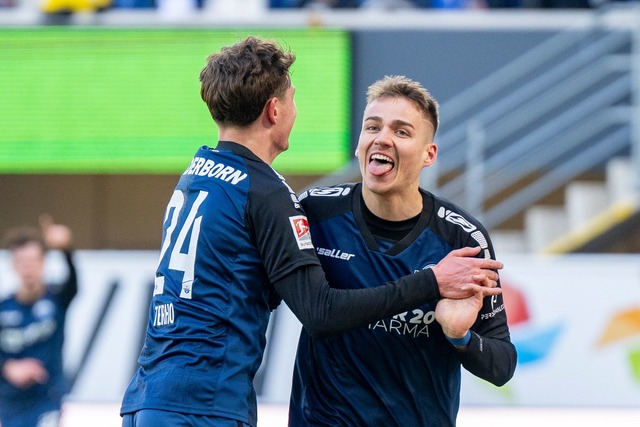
column 379, row 164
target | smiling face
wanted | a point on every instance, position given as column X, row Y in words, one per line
column 396, row 142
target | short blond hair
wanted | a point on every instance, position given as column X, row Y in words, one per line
column 404, row 87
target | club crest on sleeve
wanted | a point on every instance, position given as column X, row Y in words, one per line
column 300, row 227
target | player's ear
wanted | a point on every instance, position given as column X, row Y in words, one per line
column 271, row 110
column 430, row 154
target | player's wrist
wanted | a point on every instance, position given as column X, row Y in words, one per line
column 460, row 342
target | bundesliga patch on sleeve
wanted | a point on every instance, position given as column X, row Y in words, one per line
column 300, row 227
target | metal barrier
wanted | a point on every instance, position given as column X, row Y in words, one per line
column 561, row 109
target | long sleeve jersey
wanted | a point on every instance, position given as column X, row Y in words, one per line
column 235, row 242
column 398, row 370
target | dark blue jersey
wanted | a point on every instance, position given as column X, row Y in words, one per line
column 36, row 331
column 399, row 370
column 232, row 227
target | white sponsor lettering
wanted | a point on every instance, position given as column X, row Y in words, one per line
column 395, row 326
column 486, row 316
column 414, row 324
column 164, row 314
column 334, row 253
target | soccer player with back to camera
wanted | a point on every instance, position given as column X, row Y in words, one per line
column 400, row 370
column 236, row 242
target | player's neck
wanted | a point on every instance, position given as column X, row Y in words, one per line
column 258, row 142
column 393, row 206
column 28, row 294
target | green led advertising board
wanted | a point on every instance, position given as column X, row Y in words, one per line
column 85, row 100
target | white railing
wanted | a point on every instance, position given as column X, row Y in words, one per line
column 556, row 112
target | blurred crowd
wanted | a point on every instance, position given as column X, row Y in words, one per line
column 68, row 6
column 437, row 4
column 388, row 4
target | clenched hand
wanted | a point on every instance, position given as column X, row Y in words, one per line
column 460, row 274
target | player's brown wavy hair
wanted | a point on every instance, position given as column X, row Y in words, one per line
column 238, row 81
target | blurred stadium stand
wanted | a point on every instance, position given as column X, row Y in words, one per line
column 540, row 134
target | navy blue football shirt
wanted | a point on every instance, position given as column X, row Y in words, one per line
column 232, row 227
column 399, row 370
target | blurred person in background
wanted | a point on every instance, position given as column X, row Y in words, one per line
column 235, row 244
column 32, row 323
column 402, row 370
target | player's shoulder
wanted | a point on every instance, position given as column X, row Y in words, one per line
column 449, row 211
column 323, row 202
column 340, row 191
column 267, row 184
column 456, row 223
